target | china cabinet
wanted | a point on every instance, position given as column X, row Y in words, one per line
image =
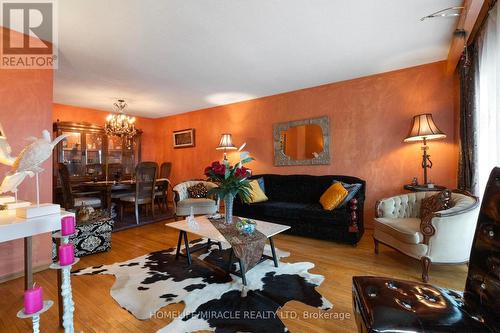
column 87, row 151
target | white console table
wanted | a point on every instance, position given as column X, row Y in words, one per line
column 13, row 227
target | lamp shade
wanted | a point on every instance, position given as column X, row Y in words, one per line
column 226, row 142
column 423, row 127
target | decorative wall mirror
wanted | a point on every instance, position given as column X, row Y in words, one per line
column 302, row 142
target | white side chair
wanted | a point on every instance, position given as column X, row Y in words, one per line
column 447, row 239
column 201, row 206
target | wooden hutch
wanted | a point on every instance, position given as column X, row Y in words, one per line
column 88, row 152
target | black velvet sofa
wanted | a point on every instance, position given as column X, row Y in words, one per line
column 294, row 201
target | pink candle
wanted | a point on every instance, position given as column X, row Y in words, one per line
column 67, row 225
column 66, row 254
column 33, row 300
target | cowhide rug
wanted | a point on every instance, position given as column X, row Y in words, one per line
column 213, row 301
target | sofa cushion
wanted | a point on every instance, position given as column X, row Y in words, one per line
column 406, row 230
column 333, row 196
column 256, row 193
column 197, row 191
column 87, row 201
column 200, row 206
column 352, row 190
column 293, row 211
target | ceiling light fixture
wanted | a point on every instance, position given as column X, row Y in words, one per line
column 447, row 12
column 119, row 124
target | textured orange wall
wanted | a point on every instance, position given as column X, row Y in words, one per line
column 369, row 117
column 26, row 110
column 78, row 114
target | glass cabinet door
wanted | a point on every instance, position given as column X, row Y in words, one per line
column 115, row 149
column 94, row 154
column 71, row 153
column 130, row 158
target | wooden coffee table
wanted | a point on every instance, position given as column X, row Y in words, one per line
column 207, row 229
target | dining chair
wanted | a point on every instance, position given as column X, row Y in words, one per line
column 161, row 193
column 145, row 177
column 71, row 199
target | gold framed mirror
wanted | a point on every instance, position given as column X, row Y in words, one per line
column 302, row 142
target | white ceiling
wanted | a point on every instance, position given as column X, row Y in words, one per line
column 166, row 57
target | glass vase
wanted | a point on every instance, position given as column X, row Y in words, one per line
column 228, row 208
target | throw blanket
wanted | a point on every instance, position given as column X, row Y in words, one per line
column 248, row 248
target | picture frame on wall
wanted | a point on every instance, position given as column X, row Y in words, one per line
column 184, row 138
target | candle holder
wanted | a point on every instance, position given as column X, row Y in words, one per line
column 66, row 293
column 64, row 239
column 35, row 317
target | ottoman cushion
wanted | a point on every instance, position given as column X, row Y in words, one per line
column 388, row 305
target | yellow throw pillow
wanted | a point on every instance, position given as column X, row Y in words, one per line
column 333, row 196
column 256, row 193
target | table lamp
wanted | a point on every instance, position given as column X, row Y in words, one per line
column 226, row 143
column 423, row 128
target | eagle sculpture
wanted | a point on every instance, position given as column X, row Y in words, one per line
column 28, row 162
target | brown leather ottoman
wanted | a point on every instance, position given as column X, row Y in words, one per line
column 396, row 306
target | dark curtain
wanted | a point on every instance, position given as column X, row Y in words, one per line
column 467, row 168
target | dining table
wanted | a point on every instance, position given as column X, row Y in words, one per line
column 108, row 187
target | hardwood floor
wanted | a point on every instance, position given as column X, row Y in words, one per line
column 96, row 311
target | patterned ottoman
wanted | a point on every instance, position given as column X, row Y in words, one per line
column 92, row 236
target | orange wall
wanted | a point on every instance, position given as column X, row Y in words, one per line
column 77, row 114
column 26, row 110
column 369, row 117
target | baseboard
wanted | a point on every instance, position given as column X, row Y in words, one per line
column 19, row 274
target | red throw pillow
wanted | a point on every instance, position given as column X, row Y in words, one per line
column 197, row 191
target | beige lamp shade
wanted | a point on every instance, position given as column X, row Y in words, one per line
column 423, row 127
column 226, row 142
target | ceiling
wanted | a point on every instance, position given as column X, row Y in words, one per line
column 168, row 57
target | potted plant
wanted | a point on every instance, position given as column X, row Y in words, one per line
column 232, row 180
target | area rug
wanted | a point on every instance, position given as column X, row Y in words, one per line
column 213, row 301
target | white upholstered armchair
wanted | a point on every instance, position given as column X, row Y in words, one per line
column 447, row 239
column 201, row 206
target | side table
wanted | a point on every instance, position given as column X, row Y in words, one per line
column 423, row 188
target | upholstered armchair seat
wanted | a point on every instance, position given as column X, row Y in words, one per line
column 201, row 206
column 87, row 201
column 406, row 230
column 446, row 239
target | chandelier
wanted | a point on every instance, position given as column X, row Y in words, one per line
column 119, row 124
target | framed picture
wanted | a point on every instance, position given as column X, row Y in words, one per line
column 184, row 138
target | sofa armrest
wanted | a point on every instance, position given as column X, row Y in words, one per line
column 466, row 203
column 453, row 235
column 399, row 206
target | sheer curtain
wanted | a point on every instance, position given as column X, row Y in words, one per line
column 488, row 98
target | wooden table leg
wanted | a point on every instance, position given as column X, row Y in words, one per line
column 179, row 242
column 108, row 198
column 28, row 263
column 188, row 252
column 273, row 251
column 243, row 272
column 230, row 261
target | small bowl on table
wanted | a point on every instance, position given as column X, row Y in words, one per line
column 246, row 226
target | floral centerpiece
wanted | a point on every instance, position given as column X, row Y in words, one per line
column 232, row 180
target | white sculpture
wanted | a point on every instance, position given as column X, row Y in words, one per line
column 27, row 162
column 12, row 181
column 5, row 149
column 33, row 155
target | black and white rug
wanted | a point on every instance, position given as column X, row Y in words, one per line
column 213, row 301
